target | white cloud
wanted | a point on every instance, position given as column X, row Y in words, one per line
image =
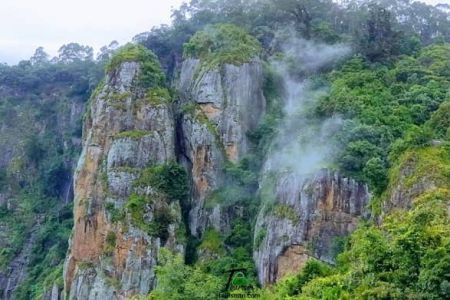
column 28, row 24
column 437, row 1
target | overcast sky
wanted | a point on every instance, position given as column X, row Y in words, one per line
column 28, row 24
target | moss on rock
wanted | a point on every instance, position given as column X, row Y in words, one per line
column 151, row 74
column 222, row 44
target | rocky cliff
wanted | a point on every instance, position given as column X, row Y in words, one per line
column 128, row 131
column 304, row 217
column 215, row 120
column 152, row 162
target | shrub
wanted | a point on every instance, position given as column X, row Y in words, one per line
column 132, row 134
column 260, row 236
column 110, row 243
column 117, row 215
column 138, row 206
column 212, row 242
column 286, row 212
column 222, row 44
column 151, row 74
column 3, row 179
column 158, row 96
column 440, row 121
column 375, row 173
column 169, row 178
column 178, row 281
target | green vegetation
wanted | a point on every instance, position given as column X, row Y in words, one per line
column 118, row 98
column 169, row 184
column 110, row 243
column 212, row 242
column 170, row 179
column 39, row 104
column 158, row 96
column 293, row 285
column 117, row 215
column 151, row 75
column 286, row 212
column 406, row 257
column 440, row 121
column 139, row 206
column 260, row 236
column 132, row 134
column 388, row 110
column 430, row 164
column 222, row 44
column 98, row 89
column 181, row 282
column 47, row 255
column 393, row 97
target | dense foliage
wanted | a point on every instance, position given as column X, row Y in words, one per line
column 365, row 24
column 222, row 43
column 393, row 98
column 150, row 75
column 169, row 179
column 169, row 184
column 388, row 109
column 41, row 105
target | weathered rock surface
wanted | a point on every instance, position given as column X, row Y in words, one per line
column 418, row 172
column 219, row 107
column 304, row 219
column 124, row 133
column 17, row 269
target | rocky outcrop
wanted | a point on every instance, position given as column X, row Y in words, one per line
column 114, row 247
column 303, row 217
column 219, row 106
column 17, row 269
column 418, row 171
column 110, row 255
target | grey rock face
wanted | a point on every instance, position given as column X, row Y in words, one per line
column 401, row 196
column 225, row 103
column 124, row 134
column 304, row 219
column 17, row 270
column 206, row 160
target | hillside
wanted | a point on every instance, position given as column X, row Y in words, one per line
column 264, row 149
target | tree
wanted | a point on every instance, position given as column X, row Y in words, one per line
column 39, row 57
column 74, row 52
column 106, row 52
column 300, row 11
column 178, row 281
column 380, row 41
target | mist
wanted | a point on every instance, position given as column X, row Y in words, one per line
column 302, row 145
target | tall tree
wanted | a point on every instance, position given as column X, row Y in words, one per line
column 39, row 57
column 73, row 52
column 380, row 41
column 107, row 51
column 304, row 13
